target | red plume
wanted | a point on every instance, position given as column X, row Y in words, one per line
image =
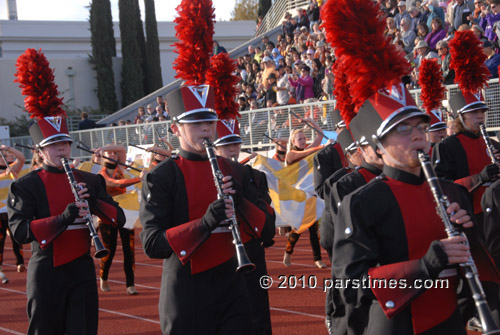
column 36, row 79
column 341, row 91
column 220, row 77
column 467, row 59
column 195, row 28
column 355, row 29
column 430, row 81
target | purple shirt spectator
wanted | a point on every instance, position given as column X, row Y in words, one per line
column 487, row 24
column 303, row 85
column 435, row 36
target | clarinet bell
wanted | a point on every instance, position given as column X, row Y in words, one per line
column 244, row 264
column 100, row 250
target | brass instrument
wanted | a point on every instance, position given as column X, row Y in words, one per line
column 244, row 263
column 100, row 250
column 469, row 267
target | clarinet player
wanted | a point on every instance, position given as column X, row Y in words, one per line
column 61, row 284
column 183, row 223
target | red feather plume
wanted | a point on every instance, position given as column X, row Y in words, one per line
column 355, row 29
column 467, row 59
column 341, row 91
column 430, row 76
column 195, row 28
column 220, row 76
column 36, row 80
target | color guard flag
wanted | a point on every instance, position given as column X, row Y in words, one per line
column 292, row 191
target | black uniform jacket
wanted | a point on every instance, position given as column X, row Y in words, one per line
column 382, row 231
column 35, row 201
column 175, row 197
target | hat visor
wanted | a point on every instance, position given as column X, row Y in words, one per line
column 399, row 116
column 199, row 115
column 55, row 139
column 476, row 105
column 437, row 126
column 230, row 139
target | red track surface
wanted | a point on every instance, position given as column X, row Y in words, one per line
column 293, row 311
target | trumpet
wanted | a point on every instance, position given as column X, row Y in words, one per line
column 489, row 145
column 100, row 250
column 469, row 267
column 244, row 263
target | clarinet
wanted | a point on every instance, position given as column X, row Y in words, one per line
column 100, row 250
column 244, row 263
column 489, row 145
column 469, row 267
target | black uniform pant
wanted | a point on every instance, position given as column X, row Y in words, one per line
column 313, row 238
column 18, row 249
column 61, row 300
column 109, row 235
column 259, row 297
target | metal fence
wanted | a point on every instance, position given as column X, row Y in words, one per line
column 276, row 13
column 255, row 125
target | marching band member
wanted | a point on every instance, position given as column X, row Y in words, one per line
column 228, row 145
column 61, row 287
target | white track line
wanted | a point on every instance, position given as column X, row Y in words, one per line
column 128, row 315
column 295, row 312
column 10, row 331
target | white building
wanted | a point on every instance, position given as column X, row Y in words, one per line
column 66, row 44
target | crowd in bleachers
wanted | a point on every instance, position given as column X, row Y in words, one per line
column 296, row 67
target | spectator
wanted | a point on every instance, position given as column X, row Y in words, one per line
column 251, row 51
column 318, row 73
column 488, row 20
column 390, row 28
column 479, row 32
column 86, row 123
column 461, row 12
column 313, row 13
column 309, row 57
column 444, row 55
column 287, row 26
column 151, row 111
column 265, row 41
column 269, row 68
column 218, row 48
column 258, row 55
column 141, row 115
column 437, row 34
column 271, row 88
column 242, row 103
column 422, row 32
column 303, row 84
column 302, row 19
column 283, row 85
column 479, row 7
column 276, row 56
column 162, row 103
column 423, row 52
column 390, row 9
column 407, row 35
column 493, row 59
column 432, row 10
column 416, row 17
column 402, row 14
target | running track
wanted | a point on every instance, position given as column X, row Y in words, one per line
column 296, row 310
column 293, row 311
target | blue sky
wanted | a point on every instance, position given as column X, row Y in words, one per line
column 74, row 10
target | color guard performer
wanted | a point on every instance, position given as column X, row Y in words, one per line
column 61, row 286
column 11, row 163
column 116, row 184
